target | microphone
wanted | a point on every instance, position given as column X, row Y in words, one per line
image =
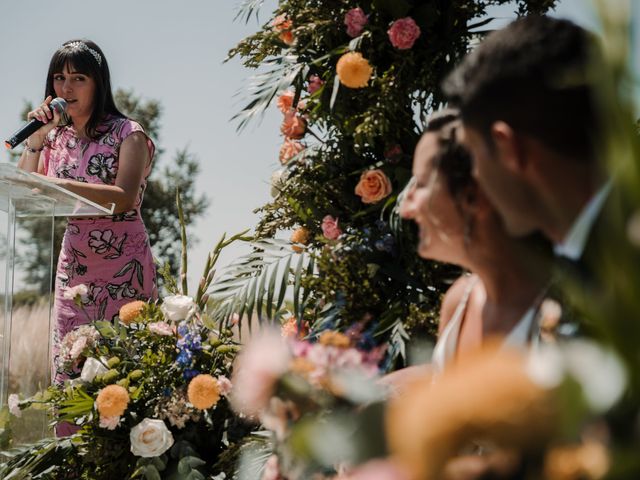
column 57, row 104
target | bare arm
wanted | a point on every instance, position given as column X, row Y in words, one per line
column 133, row 160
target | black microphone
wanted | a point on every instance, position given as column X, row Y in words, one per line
column 57, row 104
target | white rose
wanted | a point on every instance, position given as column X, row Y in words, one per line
column 72, row 292
column 91, row 369
column 177, row 307
column 14, row 405
column 150, row 438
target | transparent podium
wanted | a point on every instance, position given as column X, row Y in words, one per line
column 26, row 327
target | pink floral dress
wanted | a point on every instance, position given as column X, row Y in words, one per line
column 110, row 255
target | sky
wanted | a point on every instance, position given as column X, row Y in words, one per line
column 173, row 51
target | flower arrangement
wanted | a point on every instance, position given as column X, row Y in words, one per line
column 355, row 82
column 153, row 386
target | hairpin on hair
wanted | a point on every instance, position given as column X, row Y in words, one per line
column 84, row 46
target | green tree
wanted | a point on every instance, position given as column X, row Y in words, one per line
column 159, row 209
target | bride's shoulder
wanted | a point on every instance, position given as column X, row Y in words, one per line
column 456, row 295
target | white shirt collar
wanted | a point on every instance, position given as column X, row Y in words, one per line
column 574, row 243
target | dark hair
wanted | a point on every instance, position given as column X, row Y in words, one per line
column 533, row 75
column 78, row 54
column 452, row 160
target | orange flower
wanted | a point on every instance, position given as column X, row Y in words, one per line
column 487, row 395
column 203, row 391
column 354, row 70
column 290, row 329
column 112, row 401
column 283, row 25
column 293, row 125
column 290, row 148
column 300, row 235
column 373, row 186
column 334, row 339
column 130, row 311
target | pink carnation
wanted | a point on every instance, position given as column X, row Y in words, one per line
column 355, row 20
column 403, row 33
column 224, row 385
column 315, row 84
column 330, row 228
column 161, row 328
column 110, row 423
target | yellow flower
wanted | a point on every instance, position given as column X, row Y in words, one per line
column 112, row 401
column 334, row 339
column 203, row 391
column 130, row 311
column 301, row 235
column 354, row 70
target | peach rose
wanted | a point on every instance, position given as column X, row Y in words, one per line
column 373, row 186
column 330, row 228
column 293, row 125
column 283, row 25
column 289, row 149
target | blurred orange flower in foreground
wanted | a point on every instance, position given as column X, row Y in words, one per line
column 300, row 236
column 486, row 396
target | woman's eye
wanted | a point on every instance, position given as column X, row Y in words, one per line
column 79, row 79
column 58, row 78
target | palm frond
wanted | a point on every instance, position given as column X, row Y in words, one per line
column 282, row 72
column 248, row 8
column 257, row 284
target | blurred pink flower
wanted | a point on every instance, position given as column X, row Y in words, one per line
column 224, row 385
column 161, row 328
column 257, row 369
column 293, row 125
column 403, row 33
column 330, row 228
column 379, row 470
column 355, row 20
column 271, row 469
column 289, row 149
column 285, row 101
column 315, row 84
column 110, row 423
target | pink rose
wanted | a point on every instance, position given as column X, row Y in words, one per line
column 315, row 84
column 330, row 228
column 289, row 149
column 403, row 33
column 373, row 186
column 355, row 20
column 293, row 125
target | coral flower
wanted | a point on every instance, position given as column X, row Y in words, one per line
column 283, row 25
column 130, row 311
column 293, row 125
column 334, row 339
column 354, row 70
column 300, row 235
column 112, row 401
column 289, row 149
column 203, row 391
column 403, row 33
column 373, row 186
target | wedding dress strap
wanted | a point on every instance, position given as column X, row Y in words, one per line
column 447, row 343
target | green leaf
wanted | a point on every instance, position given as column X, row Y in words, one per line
column 152, row 473
column 187, row 464
column 105, row 329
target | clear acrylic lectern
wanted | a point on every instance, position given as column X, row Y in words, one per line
column 25, row 196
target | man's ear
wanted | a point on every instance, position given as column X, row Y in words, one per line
column 507, row 147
